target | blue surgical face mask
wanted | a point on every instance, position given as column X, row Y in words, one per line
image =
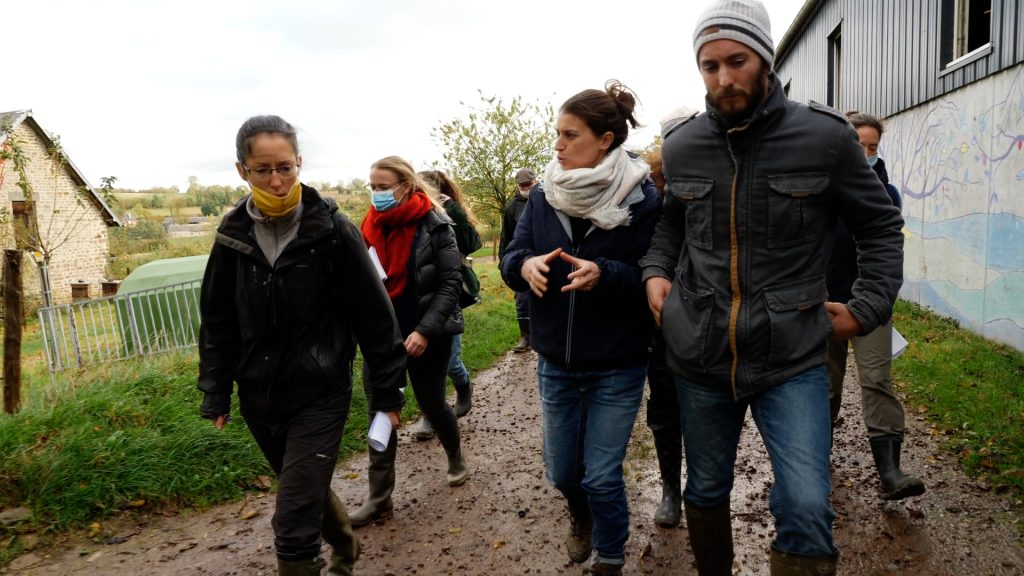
column 383, row 200
column 872, row 160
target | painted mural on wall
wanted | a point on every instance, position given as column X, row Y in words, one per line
column 959, row 164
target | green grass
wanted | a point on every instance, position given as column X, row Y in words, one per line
column 89, row 443
column 970, row 389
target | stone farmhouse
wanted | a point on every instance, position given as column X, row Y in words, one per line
column 65, row 211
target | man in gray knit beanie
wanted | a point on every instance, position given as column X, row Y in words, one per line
column 745, row 21
column 735, row 276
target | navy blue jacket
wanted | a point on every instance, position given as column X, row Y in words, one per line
column 607, row 327
column 842, row 269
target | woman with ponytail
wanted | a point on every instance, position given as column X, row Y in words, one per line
column 577, row 248
column 413, row 238
column 289, row 290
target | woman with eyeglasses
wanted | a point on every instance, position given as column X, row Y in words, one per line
column 468, row 241
column 413, row 238
column 577, row 249
column 289, row 290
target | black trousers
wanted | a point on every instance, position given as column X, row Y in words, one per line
column 428, row 375
column 303, row 453
column 662, row 406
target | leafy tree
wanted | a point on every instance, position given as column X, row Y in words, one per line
column 483, row 150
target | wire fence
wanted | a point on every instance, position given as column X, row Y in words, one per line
column 138, row 323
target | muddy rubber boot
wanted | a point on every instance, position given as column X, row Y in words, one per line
column 463, row 399
column 337, row 532
column 311, row 567
column 457, row 471
column 784, row 564
column 524, row 336
column 895, row 484
column 422, row 430
column 578, row 541
column 710, row 532
column 381, row 473
column 669, row 447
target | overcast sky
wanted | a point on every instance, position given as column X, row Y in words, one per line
column 153, row 91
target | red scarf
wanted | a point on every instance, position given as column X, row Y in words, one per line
column 392, row 233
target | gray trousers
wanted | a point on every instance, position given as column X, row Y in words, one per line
column 883, row 413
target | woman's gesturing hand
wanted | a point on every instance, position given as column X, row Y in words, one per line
column 584, row 276
column 534, row 271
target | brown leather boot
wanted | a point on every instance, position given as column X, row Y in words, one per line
column 578, row 541
column 784, row 564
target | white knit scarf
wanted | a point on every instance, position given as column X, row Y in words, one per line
column 601, row 194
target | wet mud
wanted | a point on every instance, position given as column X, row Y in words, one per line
column 507, row 520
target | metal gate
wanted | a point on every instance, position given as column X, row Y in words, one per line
column 128, row 325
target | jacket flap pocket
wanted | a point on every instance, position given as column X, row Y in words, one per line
column 800, row 297
column 690, row 188
column 799, row 185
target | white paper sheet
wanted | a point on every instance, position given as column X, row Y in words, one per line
column 380, row 432
column 377, row 264
column 899, row 343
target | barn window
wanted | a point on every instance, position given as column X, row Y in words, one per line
column 966, row 30
column 835, row 52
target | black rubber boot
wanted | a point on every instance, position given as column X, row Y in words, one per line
column 895, row 484
column 309, row 567
column 710, row 532
column 578, row 541
column 457, row 471
column 381, row 473
column 463, row 399
column 337, row 532
column 422, row 430
column 669, row 446
column 784, row 564
column 524, row 336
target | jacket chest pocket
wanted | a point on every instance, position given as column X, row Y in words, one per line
column 796, row 207
column 695, row 194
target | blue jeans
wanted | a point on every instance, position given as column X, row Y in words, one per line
column 793, row 419
column 588, row 417
column 457, row 371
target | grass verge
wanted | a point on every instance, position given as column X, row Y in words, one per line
column 128, row 435
column 970, row 389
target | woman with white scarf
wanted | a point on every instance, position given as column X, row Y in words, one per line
column 577, row 248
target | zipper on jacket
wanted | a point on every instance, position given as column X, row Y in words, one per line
column 734, row 265
column 572, row 300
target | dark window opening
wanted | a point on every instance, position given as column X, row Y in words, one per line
column 966, row 27
column 835, row 49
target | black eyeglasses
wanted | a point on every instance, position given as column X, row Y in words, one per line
column 286, row 171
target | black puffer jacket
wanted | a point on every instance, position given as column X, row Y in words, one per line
column 746, row 233
column 437, row 281
column 287, row 333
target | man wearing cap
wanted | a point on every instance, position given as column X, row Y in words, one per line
column 525, row 180
column 736, row 276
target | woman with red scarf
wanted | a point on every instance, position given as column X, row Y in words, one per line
column 415, row 243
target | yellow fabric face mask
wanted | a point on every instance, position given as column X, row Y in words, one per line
column 274, row 206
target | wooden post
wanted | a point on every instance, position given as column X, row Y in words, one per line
column 13, row 322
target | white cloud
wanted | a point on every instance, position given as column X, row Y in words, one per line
column 152, row 92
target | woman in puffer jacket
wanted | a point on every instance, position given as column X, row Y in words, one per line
column 414, row 241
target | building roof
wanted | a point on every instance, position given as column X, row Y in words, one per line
column 796, row 29
column 16, row 118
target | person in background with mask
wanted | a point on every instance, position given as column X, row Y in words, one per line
column 526, row 181
column 289, row 290
column 468, row 241
column 662, row 405
column 735, row 275
column 414, row 240
column 883, row 413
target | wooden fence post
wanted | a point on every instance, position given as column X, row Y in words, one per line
column 14, row 308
